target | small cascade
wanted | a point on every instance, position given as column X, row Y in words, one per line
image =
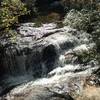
column 45, row 55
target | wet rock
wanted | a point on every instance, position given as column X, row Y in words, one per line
column 57, row 91
column 46, row 52
column 93, row 80
column 37, row 93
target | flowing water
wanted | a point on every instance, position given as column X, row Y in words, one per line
column 44, row 55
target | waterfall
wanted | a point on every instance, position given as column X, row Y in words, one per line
column 44, row 55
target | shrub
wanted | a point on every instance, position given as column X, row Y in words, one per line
column 31, row 5
column 77, row 20
column 83, row 20
column 10, row 10
column 81, row 4
column 88, row 21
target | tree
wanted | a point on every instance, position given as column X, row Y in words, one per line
column 10, row 10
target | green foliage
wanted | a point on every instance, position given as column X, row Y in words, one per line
column 88, row 21
column 77, row 20
column 82, row 20
column 31, row 6
column 85, row 57
column 82, row 4
column 10, row 10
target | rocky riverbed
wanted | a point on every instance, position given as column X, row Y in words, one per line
column 46, row 63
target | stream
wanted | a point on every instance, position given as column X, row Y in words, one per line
column 44, row 60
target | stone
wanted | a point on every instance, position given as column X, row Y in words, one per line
column 41, row 57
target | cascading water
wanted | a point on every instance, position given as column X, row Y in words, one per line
column 47, row 53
